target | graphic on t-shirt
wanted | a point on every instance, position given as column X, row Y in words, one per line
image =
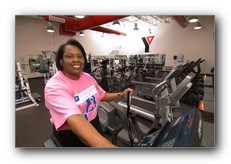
column 84, row 95
column 86, row 101
column 91, row 105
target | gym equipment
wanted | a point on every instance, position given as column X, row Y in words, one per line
column 182, row 126
column 195, row 95
column 101, row 76
column 173, row 123
column 183, row 131
column 52, row 142
column 23, row 92
column 144, row 88
column 129, row 120
column 43, row 63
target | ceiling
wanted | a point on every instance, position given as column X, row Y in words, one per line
column 70, row 25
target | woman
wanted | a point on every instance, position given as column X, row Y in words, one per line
column 72, row 97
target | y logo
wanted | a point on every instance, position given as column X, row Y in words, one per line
column 147, row 41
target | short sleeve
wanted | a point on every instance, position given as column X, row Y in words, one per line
column 61, row 104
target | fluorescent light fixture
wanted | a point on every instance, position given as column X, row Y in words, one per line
column 135, row 28
column 193, row 19
column 197, row 26
column 81, row 33
column 50, row 28
column 80, row 16
column 116, row 22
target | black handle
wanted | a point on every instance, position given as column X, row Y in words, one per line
column 129, row 118
column 128, row 102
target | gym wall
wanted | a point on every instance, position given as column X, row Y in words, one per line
column 170, row 39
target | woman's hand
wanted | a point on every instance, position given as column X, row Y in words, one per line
column 125, row 92
column 119, row 95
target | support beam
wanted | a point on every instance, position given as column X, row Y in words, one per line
column 88, row 23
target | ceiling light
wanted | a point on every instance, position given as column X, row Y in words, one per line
column 79, row 17
column 135, row 28
column 50, row 28
column 197, row 26
column 193, row 19
column 81, row 33
column 116, row 22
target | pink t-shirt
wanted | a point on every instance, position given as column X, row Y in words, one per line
column 65, row 97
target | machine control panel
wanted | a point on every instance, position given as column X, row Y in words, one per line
column 174, row 134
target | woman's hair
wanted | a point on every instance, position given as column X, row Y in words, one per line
column 60, row 52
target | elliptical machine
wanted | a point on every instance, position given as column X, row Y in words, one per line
column 104, row 81
column 173, row 124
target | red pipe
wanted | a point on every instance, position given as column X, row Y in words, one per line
column 94, row 21
column 83, row 24
column 71, row 28
column 181, row 20
column 100, row 29
column 63, row 31
column 107, row 30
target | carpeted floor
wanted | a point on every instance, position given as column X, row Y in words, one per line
column 32, row 126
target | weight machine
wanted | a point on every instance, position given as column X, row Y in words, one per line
column 24, row 98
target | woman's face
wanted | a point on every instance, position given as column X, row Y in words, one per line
column 72, row 62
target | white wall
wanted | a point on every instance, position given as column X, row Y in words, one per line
column 171, row 39
column 194, row 44
column 31, row 38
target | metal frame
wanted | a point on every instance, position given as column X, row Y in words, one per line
column 25, row 90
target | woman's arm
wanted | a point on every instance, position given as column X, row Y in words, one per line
column 116, row 96
column 86, row 132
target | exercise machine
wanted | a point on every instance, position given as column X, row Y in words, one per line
column 183, row 127
column 24, row 98
column 173, row 124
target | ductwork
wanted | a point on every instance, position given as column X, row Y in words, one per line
column 181, row 20
column 63, row 31
column 89, row 22
column 107, row 30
